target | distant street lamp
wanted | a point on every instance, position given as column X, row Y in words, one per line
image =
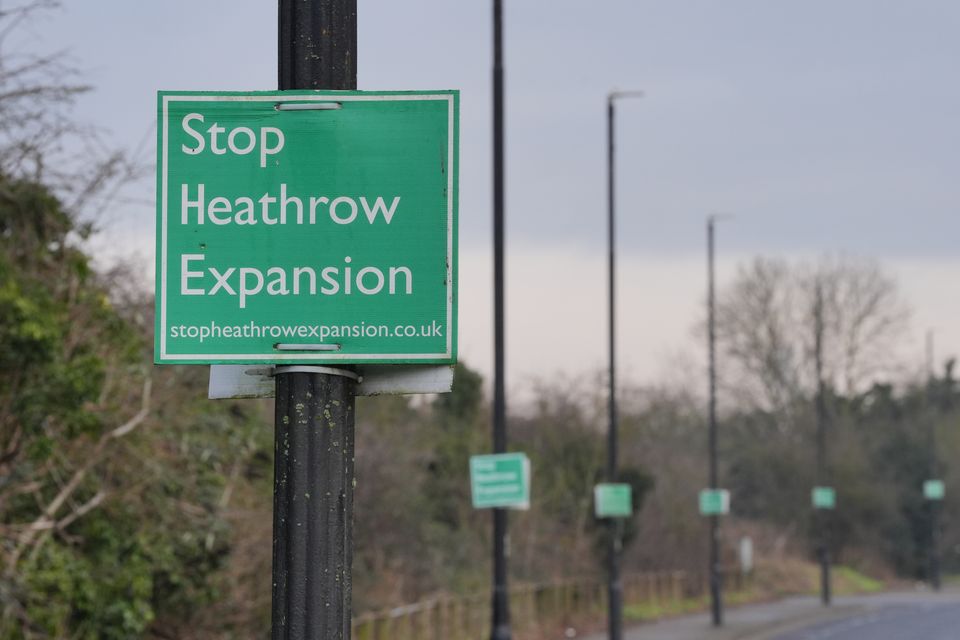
column 933, row 473
column 716, row 579
column 823, row 472
column 615, row 599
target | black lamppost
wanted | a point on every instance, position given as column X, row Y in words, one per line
column 615, row 524
column 500, row 601
column 716, row 579
column 933, row 473
column 823, row 472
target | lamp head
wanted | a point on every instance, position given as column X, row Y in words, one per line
column 616, row 95
column 717, row 216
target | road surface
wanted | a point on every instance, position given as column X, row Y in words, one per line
column 890, row 617
column 915, row 615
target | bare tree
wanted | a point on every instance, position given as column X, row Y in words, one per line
column 766, row 319
column 864, row 318
column 40, row 139
column 757, row 321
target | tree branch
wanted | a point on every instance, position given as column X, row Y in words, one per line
column 42, row 523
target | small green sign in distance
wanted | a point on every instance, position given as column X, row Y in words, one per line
column 714, row 502
column 934, row 489
column 500, row 480
column 307, row 227
column 613, row 500
column 823, row 498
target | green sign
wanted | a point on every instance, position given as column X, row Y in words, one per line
column 714, row 502
column 823, row 498
column 933, row 489
column 613, row 500
column 307, row 227
column 500, row 480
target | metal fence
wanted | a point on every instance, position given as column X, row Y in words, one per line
column 533, row 607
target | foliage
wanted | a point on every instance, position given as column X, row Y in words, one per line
column 107, row 521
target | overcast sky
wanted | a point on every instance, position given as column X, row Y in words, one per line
column 824, row 125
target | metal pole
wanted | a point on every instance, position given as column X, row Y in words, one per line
column 934, row 505
column 716, row 584
column 935, row 545
column 500, row 628
column 615, row 525
column 314, row 431
column 615, row 588
column 822, row 515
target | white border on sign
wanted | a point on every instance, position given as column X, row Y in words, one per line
column 326, row 356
